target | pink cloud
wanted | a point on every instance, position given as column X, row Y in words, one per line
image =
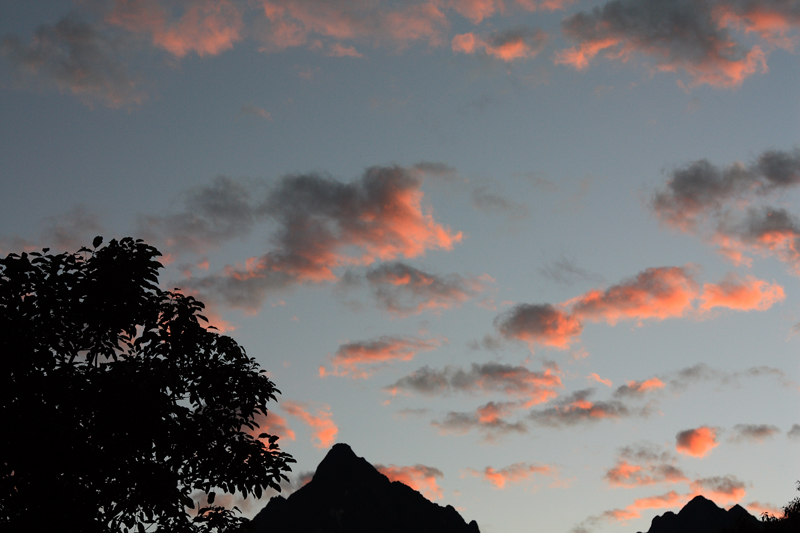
column 539, row 324
column 206, row 27
column 419, row 477
column 515, row 473
column 297, row 22
column 351, row 358
column 273, row 424
column 477, row 10
column 324, row 429
column 696, row 442
column 606, row 382
column 509, row 45
column 656, row 293
column 745, row 294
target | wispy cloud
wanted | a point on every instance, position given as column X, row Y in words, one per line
column 419, row 477
column 508, row 45
column 324, row 430
column 753, row 432
column 360, row 359
column 515, row 473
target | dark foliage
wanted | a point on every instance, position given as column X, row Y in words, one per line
column 116, row 404
column 789, row 522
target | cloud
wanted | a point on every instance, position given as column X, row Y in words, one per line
column 656, row 293
column 564, row 271
column 515, row 473
column 419, row 477
column 638, row 388
column 73, row 56
column 508, row 45
column 477, row 10
column 515, row 381
column 742, row 294
column 700, row 189
column 772, row 20
column 212, row 215
column 404, row 290
column 494, row 203
column 701, row 372
column 539, row 324
column 254, row 110
column 719, row 488
column 577, row 408
column 643, row 465
column 753, row 432
column 488, row 419
column 794, row 433
column 696, row 442
column 273, row 424
column 324, row 429
column 719, row 204
column 682, row 35
column 606, row 382
column 205, row 27
column 351, row 358
column 338, row 50
column 323, row 224
column 292, row 23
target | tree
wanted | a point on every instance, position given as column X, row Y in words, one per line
column 117, row 404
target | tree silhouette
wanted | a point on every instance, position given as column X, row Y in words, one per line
column 116, row 404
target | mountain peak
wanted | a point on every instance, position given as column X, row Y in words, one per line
column 700, row 515
column 348, row 495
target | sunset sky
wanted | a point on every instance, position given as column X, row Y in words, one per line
column 540, row 259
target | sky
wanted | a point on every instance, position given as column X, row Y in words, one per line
column 538, row 259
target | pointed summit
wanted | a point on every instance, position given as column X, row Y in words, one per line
column 348, row 495
column 701, row 515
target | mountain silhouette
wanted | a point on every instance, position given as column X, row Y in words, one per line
column 348, row 495
column 701, row 515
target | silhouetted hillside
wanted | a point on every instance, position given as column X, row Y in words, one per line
column 348, row 495
column 701, row 515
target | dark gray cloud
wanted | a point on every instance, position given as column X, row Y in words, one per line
column 700, row 373
column 753, row 432
column 74, row 56
column 404, row 290
column 492, row 202
column 65, row 232
column 539, row 323
column 490, row 426
column 577, row 409
column 700, row 189
column 515, row 381
column 566, row 271
column 212, row 215
column 794, row 433
column 679, row 35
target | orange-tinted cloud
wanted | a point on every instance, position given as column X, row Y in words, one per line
column 273, row 424
column 419, row 477
column 298, row 22
column 539, row 324
column 656, row 293
column 509, row 45
column 692, row 42
column 641, row 466
column 773, row 21
column 758, row 509
column 323, row 224
column 515, row 473
column 324, row 429
column 577, row 408
column 206, row 27
column 606, row 382
column 639, row 388
column 488, row 419
column 477, row 10
column 403, row 290
column 745, row 294
column 696, row 442
column 351, row 358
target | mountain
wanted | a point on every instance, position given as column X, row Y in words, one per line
column 701, row 515
column 348, row 495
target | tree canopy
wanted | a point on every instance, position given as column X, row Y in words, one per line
column 117, row 404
